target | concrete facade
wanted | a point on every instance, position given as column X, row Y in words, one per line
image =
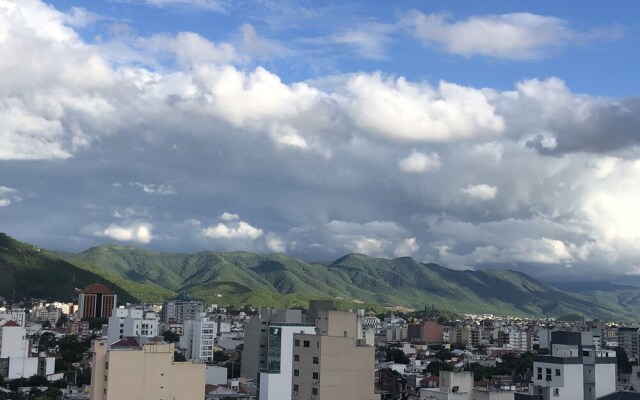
column 254, row 355
column 144, row 372
column 276, row 379
column 131, row 322
column 330, row 364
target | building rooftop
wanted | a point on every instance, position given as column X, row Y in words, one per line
column 97, row 288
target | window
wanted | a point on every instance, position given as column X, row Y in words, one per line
column 296, row 357
column 548, row 373
column 295, row 388
column 556, row 392
column 296, row 372
column 296, row 342
column 315, row 360
column 316, row 375
column 307, row 343
column 314, row 391
column 539, row 373
column 557, row 372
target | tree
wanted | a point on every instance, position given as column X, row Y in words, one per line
column 219, row 356
column 396, row 355
column 170, row 337
column 47, row 341
column 622, row 358
column 179, row 357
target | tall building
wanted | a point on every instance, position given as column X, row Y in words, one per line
column 131, row 322
column 96, row 301
column 628, row 340
column 254, row 354
column 574, row 370
column 276, row 379
column 181, row 310
column 132, row 370
column 332, row 363
column 198, row 338
column 16, row 360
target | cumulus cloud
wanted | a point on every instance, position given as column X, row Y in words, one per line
column 232, row 230
column 5, row 193
column 480, row 192
column 418, row 162
column 401, row 110
column 517, row 36
column 138, row 232
column 226, row 216
column 327, row 164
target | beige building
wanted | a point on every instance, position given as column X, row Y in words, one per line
column 254, row 355
column 134, row 371
column 331, row 365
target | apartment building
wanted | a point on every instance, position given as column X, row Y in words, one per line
column 333, row 363
column 276, row 378
column 131, row 322
column 574, row 370
column 628, row 340
column 198, row 338
column 16, row 360
column 18, row 316
column 180, row 310
column 133, row 370
column 254, row 355
column 96, row 301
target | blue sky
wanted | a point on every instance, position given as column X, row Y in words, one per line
column 470, row 134
column 599, row 60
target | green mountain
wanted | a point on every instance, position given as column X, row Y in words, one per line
column 277, row 280
column 241, row 278
column 27, row 271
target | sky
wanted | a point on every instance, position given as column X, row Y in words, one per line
column 470, row 134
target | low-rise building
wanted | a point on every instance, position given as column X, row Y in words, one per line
column 16, row 360
column 132, row 370
column 126, row 322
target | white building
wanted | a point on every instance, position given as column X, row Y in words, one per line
column 131, row 322
column 198, row 338
column 15, row 354
column 452, row 386
column 276, row 380
column 19, row 316
column 575, row 369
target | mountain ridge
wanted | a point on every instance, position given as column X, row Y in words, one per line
column 244, row 278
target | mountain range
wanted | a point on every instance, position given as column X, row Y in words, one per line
column 242, row 278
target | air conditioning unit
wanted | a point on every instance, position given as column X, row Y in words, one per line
column 295, row 393
column 315, row 381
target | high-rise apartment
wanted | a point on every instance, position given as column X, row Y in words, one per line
column 332, row 363
column 96, row 301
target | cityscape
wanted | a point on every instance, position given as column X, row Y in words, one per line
column 319, row 200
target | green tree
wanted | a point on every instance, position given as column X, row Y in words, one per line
column 170, row 337
column 219, row 356
column 178, row 357
column 396, row 355
column 622, row 358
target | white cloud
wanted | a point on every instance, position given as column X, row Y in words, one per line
column 481, row 192
column 225, row 216
column 275, row 243
column 232, row 230
column 368, row 40
column 6, row 201
column 407, row 248
column 418, row 162
column 161, row 189
column 401, row 110
column 139, row 232
column 516, row 36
